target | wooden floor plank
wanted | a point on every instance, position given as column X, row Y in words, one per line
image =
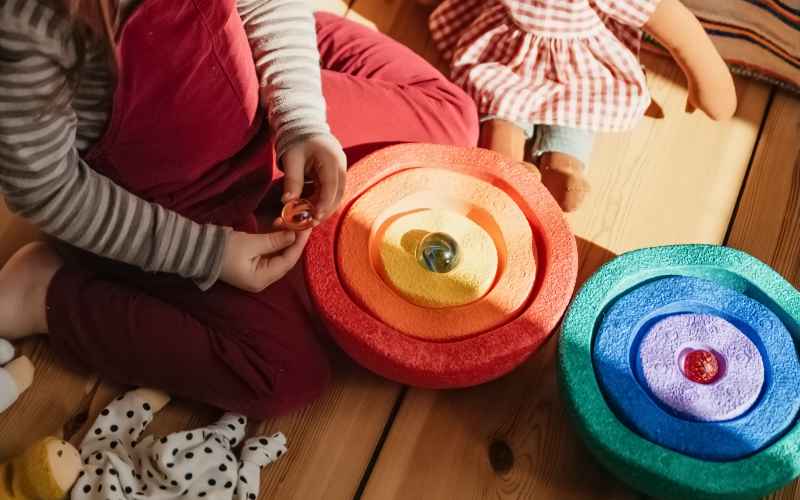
column 669, row 181
column 767, row 220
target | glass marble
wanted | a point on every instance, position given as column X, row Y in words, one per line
column 701, row 366
column 298, row 214
column 438, row 252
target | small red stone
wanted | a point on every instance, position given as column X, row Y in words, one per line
column 701, row 366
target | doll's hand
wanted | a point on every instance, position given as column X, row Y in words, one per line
column 321, row 158
column 252, row 262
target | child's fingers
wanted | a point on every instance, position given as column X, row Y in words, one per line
column 294, row 165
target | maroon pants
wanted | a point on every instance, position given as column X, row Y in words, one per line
column 254, row 354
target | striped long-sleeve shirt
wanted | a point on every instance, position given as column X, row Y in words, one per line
column 43, row 177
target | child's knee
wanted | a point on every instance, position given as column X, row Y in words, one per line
column 299, row 381
column 462, row 121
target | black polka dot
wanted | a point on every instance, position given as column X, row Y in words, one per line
column 184, row 493
column 241, row 420
column 233, row 442
column 189, row 436
column 146, row 406
column 253, row 448
column 212, row 482
column 119, row 398
column 252, row 496
column 190, row 455
column 174, row 452
column 113, row 472
column 170, row 465
column 114, row 428
column 99, row 488
column 130, row 431
column 279, row 453
column 162, row 487
column 128, row 489
column 144, row 423
column 163, row 440
column 81, row 473
column 105, row 412
column 98, row 456
column 223, row 467
column 207, row 449
column 263, row 441
column 201, row 494
column 60, row 453
column 129, row 414
column 99, row 472
column 144, row 488
column 229, row 458
column 113, row 488
column 102, row 439
column 149, row 474
column 231, row 427
column 174, row 483
column 113, row 444
column 97, row 431
column 242, row 479
column 228, row 485
column 87, row 489
column 188, row 476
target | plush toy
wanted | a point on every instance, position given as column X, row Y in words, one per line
column 197, row 463
column 48, row 468
column 549, row 73
column 15, row 378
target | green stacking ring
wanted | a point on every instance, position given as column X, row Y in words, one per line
column 645, row 466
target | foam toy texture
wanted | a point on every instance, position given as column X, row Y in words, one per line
column 490, row 331
column 677, row 289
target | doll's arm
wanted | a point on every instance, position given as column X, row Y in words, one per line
column 256, row 453
column 710, row 82
column 123, row 421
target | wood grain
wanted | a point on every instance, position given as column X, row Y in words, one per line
column 767, row 220
column 674, row 180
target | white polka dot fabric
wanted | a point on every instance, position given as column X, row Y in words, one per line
column 193, row 464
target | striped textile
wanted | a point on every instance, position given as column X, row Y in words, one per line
column 757, row 38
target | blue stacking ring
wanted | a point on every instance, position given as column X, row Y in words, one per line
column 615, row 350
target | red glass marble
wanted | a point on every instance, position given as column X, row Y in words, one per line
column 297, row 214
column 701, row 366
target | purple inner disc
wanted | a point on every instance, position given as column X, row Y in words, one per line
column 741, row 370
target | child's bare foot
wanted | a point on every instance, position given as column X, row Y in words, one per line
column 563, row 176
column 23, row 289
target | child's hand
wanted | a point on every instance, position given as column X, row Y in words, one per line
column 322, row 157
column 252, row 262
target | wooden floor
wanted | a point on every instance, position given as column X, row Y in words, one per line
column 676, row 180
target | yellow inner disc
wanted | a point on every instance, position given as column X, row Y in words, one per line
column 467, row 282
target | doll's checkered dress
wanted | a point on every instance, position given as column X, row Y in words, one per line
column 572, row 63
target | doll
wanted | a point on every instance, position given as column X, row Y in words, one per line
column 198, row 463
column 550, row 73
column 15, row 377
column 49, row 467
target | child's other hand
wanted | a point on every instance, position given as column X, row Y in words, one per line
column 252, row 262
column 322, row 158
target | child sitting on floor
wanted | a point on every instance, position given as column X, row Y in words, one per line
column 556, row 71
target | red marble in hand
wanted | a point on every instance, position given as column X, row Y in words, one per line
column 297, row 214
column 701, row 366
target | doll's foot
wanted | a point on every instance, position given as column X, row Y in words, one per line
column 21, row 370
column 23, row 289
column 563, row 175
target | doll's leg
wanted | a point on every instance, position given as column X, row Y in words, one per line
column 254, row 354
column 504, row 137
column 561, row 154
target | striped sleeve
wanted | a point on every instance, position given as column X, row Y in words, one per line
column 44, row 180
column 283, row 39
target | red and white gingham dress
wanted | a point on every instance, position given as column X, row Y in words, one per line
column 572, row 63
